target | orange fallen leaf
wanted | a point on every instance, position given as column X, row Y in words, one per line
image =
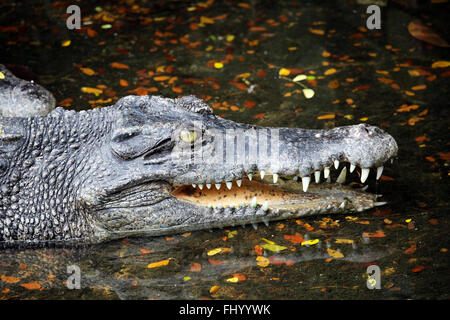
column 406, row 108
column 9, row 279
column 430, row 159
column 123, row 82
column 146, row 250
column 419, row 87
column 158, row 264
column 330, row 71
column 412, row 121
column 258, row 115
column 421, row 138
column 444, row 156
column 177, row 89
column 196, row 267
column 440, row 64
column 411, row 250
column 118, row 65
column 319, row 32
column 417, row 269
column 377, row 234
column 297, row 238
column 31, row 285
column 326, row 116
column 88, row 71
column 161, row 78
column 249, row 104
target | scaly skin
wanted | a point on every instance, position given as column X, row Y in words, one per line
column 121, row 171
column 20, row 98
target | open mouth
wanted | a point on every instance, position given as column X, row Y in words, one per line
column 283, row 193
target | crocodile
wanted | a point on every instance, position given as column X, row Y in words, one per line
column 21, row 98
column 150, row 166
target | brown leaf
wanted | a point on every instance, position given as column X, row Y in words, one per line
column 420, row 31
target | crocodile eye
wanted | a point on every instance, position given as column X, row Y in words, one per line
column 188, row 136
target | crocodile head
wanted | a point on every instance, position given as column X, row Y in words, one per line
column 171, row 165
column 153, row 166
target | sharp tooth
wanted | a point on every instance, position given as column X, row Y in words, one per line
column 275, row 178
column 239, row 182
column 317, row 176
column 217, row 186
column 305, row 183
column 253, row 203
column 342, row 205
column 326, row 172
column 200, row 186
column 377, row 204
column 208, row 185
column 266, row 222
column 352, row 167
column 194, row 185
column 295, row 178
column 336, row 164
column 255, row 226
column 229, row 185
column 364, row 188
column 262, row 173
column 392, row 160
column 342, row 175
column 379, row 172
column 265, row 206
column 250, row 176
column 364, row 174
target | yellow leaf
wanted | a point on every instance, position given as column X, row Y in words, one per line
column 161, row 78
column 2, row 75
column 268, row 241
column 310, row 242
column 218, row 65
column 330, row 71
column 206, row 20
column 88, row 71
column 187, row 278
column 158, row 264
column 273, row 247
column 440, row 64
column 284, row 72
column 214, row 289
column 92, row 90
column 214, row 251
column 65, row 43
column 262, row 261
column 335, row 254
column 233, row 279
column 347, row 241
column 229, row 37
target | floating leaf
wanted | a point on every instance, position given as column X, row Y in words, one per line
column 218, row 65
column 9, row 279
column 346, row 241
column 330, row 71
column 66, row 43
column 300, row 77
column 377, row 234
column 440, row 64
column 319, row 32
column 310, row 242
column 262, row 261
column 214, row 289
column 196, row 267
column 92, row 90
column 420, row 31
column 297, row 238
column 2, row 75
column 284, row 72
column 335, row 254
column 31, row 285
column 158, row 264
column 273, row 247
column 309, row 93
column 118, row 65
column 88, row 71
column 326, row 116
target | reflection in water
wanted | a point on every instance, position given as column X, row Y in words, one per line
column 231, row 55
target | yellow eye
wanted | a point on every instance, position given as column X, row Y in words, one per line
column 188, row 136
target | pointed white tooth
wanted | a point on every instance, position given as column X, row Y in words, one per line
column 253, row 203
column 379, row 172
column 377, row 204
column 342, row 176
column 262, row 173
column 250, row 176
column 364, row 174
column 352, row 167
column 342, row 205
column 265, row 206
column 364, row 188
column 305, row 183
column 194, row 185
column 239, row 182
column 208, row 185
column 266, row 222
column 229, row 185
column 255, row 226
column 326, row 172
column 392, row 160
column 200, row 186
column 217, row 186
column 336, row 164
column 275, row 178
column 295, row 178
column 317, row 176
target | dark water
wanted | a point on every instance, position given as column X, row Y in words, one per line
column 383, row 77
